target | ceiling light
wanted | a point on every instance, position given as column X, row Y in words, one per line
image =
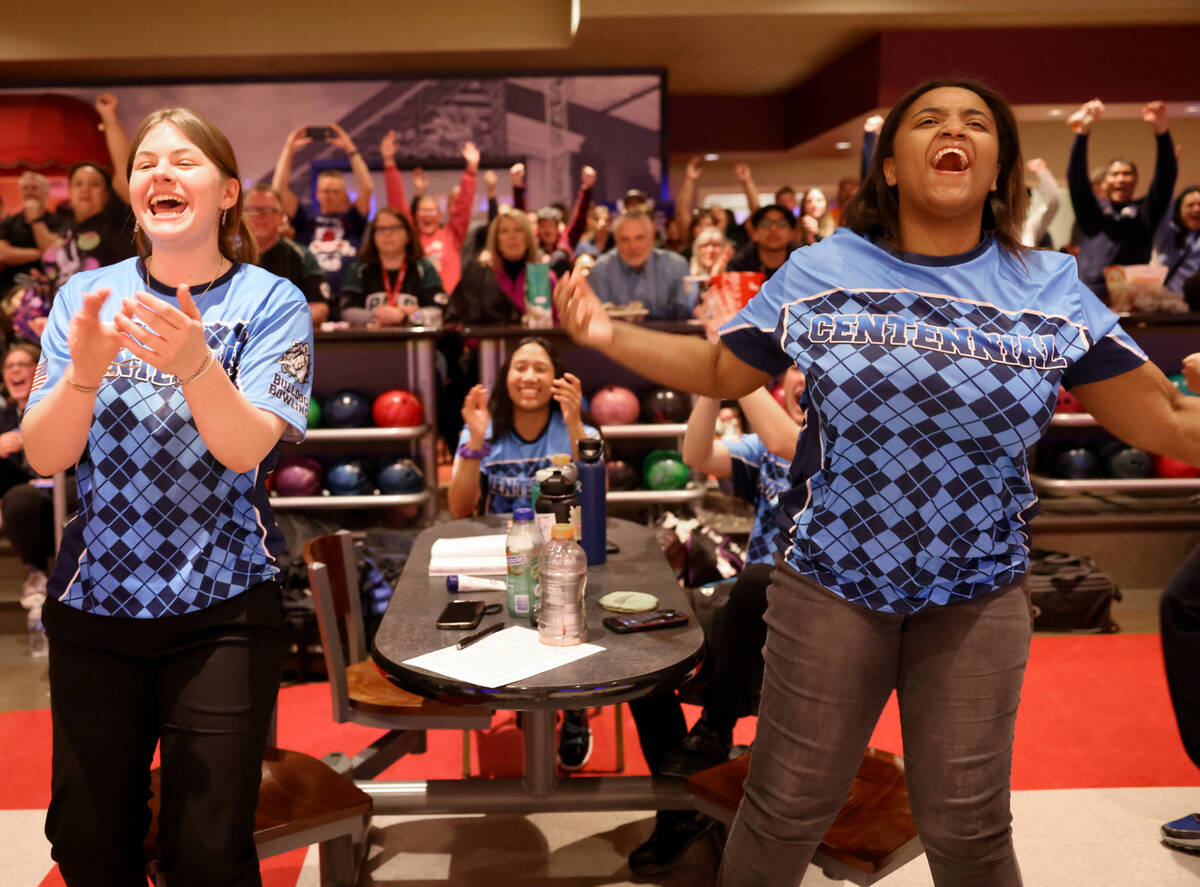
column 711, row 157
column 1056, row 112
column 843, row 146
column 1192, row 109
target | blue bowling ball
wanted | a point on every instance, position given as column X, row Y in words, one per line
column 348, row 477
column 347, row 409
column 1075, row 463
column 400, row 476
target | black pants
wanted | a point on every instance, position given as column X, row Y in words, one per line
column 29, row 521
column 204, row 685
column 1179, row 615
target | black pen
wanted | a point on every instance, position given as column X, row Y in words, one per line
column 479, row 635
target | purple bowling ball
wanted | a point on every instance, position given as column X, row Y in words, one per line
column 298, row 476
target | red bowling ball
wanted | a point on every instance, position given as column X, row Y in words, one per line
column 1165, row 466
column 614, row 405
column 1067, row 402
column 397, row 409
column 298, row 476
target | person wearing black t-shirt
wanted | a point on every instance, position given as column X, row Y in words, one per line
column 333, row 229
column 19, row 249
column 772, row 226
column 281, row 256
column 392, row 277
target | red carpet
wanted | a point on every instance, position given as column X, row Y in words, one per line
column 1095, row 714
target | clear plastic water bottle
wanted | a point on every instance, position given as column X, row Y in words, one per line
column 39, row 646
column 521, row 549
column 561, row 613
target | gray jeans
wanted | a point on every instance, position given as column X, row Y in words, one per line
column 830, row 667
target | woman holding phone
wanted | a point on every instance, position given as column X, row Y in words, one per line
column 934, row 346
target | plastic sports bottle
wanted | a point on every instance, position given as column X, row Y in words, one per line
column 521, row 549
column 561, row 615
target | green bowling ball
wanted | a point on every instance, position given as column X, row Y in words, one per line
column 1180, row 382
column 664, row 470
column 314, row 413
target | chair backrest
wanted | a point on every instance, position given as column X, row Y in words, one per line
column 334, row 585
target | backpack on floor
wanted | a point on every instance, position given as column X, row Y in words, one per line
column 1070, row 594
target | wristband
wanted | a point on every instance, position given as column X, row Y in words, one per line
column 467, row 453
column 209, row 359
column 351, row 153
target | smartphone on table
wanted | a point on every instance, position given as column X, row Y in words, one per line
column 651, row 620
column 461, row 614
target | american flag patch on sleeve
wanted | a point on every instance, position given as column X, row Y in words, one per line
column 39, row 376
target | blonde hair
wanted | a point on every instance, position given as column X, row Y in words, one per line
column 234, row 239
column 703, row 237
column 522, row 221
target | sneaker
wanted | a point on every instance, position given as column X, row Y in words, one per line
column 702, row 748
column 674, row 832
column 574, row 740
column 33, row 592
column 1183, row 833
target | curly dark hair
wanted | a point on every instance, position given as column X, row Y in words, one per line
column 875, row 210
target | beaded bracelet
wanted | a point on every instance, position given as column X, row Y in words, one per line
column 209, row 360
column 467, row 453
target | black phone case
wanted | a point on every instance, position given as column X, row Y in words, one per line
column 456, row 615
column 651, row 621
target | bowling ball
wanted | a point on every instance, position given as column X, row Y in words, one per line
column 400, row 476
column 398, row 409
column 348, row 477
column 1180, row 382
column 1067, row 402
column 314, row 413
column 614, row 405
column 621, row 475
column 1165, row 466
column 664, row 406
column 1074, row 462
column 347, row 409
column 298, row 476
column 1123, row 461
column 777, row 392
column 664, row 470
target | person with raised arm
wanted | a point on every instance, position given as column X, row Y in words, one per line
column 333, row 230
column 168, row 380
column 1118, row 229
column 442, row 243
column 1035, row 232
column 934, row 346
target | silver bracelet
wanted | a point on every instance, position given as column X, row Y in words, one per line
column 209, row 360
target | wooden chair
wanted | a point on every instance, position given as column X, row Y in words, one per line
column 301, row 801
column 873, row 835
column 361, row 694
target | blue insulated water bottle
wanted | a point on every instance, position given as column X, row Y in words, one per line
column 593, row 481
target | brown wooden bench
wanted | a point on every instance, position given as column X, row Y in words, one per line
column 301, row 802
column 873, row 835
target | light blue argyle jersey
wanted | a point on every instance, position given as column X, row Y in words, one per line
column 760, row 477
column 928, row 378
column 163, row 528
column 506, row 472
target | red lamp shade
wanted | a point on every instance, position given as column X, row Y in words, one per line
column 49, row 133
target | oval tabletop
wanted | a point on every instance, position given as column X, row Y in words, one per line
column 631, row 665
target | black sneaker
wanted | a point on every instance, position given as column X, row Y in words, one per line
column 674, row 832
column 574, row 740
column 702, row 748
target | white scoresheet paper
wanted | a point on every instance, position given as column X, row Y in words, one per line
column 501, row 658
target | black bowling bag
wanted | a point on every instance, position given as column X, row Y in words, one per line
column 1070, row 594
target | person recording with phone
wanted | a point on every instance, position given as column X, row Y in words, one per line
column 334, row 229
